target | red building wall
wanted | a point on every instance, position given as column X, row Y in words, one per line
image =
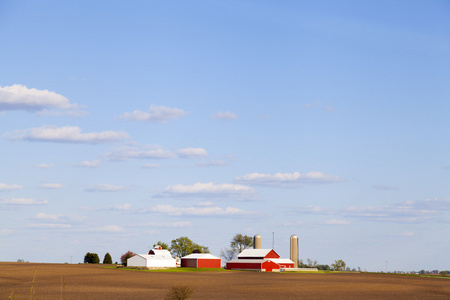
column 208, row 263
column 200, row 263
column 189, row 263
column 272, row 254
column 267, row 266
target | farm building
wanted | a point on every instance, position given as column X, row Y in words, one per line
column 156, row 258
column 200, row 260
column 263, row 260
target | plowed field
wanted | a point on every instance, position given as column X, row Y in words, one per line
column 67, row 281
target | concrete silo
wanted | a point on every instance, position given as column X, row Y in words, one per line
column 257, row 242
column 294, row 250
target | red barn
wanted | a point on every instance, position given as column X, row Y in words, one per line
column 200, row 260
column 263, row 260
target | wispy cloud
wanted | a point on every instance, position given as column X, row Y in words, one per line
column 23, row 201
column 385, row 187
column 58, row 217
column 197, row 211
column 9, row 187
column 6, row 231
column 66, row 134
column 117, row 207
column 212, row 163
column 51, row 186
column 126, row 153
column 192, row 152
column 286, row 179
column 140, row 152
column 159, row 114
column 311, row 209
column 110, row 228
column 409, row 212
column 319, row 105
column 105, row 188
column 88, row 164
column 151, row 166
column 44, row 166
column 50, row 226
column 176, row 224
column 336, row 222
column 208, row 190
column 224, row 115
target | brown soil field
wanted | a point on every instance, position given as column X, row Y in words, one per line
column 79, row 281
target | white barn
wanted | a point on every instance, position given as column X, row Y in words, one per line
column 156, row 258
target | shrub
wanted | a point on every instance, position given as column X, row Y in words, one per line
column 179, row 292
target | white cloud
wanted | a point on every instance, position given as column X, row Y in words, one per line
column 9, row 187
column 192, row 152
column 197, row 211
column 224, row 115
column 207, row 190
column 66, row 134
column 140, row 152
column 286, row 179
column 44, row 166
column 337, row 222
column 105, row 188
column 51, row 186
column 155, row 113
column 23, row 201
column 88, row 164
column 19, row 97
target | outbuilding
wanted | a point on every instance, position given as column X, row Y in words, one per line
column 156, row 258
column 200, row 260
column 262, row 260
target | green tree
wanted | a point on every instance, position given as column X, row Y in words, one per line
column 107, row 259
column 323, row 267
column 162, row 244
column 91, row 258
column 240, row 242
column 183, row 246
column 339, row 265
column 126, row 256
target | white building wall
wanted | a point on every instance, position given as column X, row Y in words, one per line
column 137, row 261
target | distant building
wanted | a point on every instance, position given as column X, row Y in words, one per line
column 156, row 258
column 200, row 260
column 262, row 260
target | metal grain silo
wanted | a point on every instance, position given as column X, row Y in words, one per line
column 257, row 242
column 294, row 250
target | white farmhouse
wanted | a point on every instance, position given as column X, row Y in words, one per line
column 156, row 258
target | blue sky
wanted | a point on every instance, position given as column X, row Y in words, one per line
column 123, row 124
